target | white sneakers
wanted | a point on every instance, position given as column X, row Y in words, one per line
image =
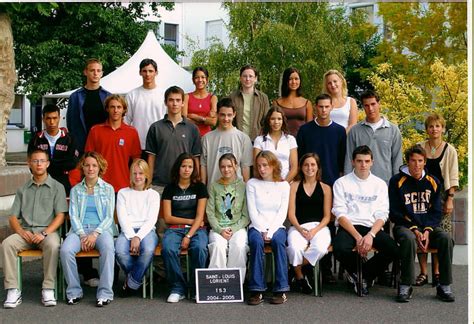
column 13, row 298
column 174, row 298
column 47, row 297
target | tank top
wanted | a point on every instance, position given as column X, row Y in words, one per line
column 432, row 165
column 340, row 115
column 295, row 117
column 309, row 208
column 200, row 107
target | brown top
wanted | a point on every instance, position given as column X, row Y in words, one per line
column 295, row 117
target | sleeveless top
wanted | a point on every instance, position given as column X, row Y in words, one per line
column 340, row 115
column 432, row 165
column 309, row 209
column 295, row 117
column 200, row 107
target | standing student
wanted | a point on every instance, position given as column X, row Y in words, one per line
column 146, row 102
column 37, row 213
column 344, row 110
column 298, row 110
column 227, row 214
column 200, row 105
column 267, row 201
column 137, row 212
column 184, row 204
column 275, row 138
column 250, row 104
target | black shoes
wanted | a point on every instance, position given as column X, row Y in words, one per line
column 73, row 301
column 304, row 285
column 352, row 279
column 101, row 302
column 444, row 293
column 404, row 293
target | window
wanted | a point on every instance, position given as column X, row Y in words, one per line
column 171, row 34
column 368, row 10
column 17, row 112
column 214, row 31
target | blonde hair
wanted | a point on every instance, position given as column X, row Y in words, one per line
column 343, row 81
column 434, row 118
column 101, row 162
column 144, row 167
column 118, row 98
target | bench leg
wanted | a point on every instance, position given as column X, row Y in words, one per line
column 318, row 281
column 433, row 283
column 19, row 268
column 359, row 275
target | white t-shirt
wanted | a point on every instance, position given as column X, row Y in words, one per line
column 145, row 106
column 52, row 140
column 282, row 151
column 216, row 143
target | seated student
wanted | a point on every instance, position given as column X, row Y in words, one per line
column 227, row 214
column 184, row 204
column 91, row 210
column 415, row 208
column 361, row 208
column 137, row 211
column 36, row 214
column 309, row 213
column 267, row 201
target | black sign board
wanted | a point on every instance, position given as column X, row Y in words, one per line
column 218, row 286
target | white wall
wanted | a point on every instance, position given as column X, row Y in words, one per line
column 15, row 134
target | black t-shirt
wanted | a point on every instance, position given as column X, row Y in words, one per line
column 94, row 112
column 184, row 202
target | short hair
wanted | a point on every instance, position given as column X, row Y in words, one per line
column 323, row 96
column 229, row 157
column 415, row 149
column 367, row 94
column 306, row 156
column 266, row 128
column 148, row 61
column 50, row 108
column 101, row 162
column 143, row 166
column 225, row 102
column 91, row 61
column 120, row 99
column 202, row 69
column 37, row 150
column 285, row 89
column 363, row 150
column 177, row 165
column 175, row 90
column 433, row 118
column 272, row 161
column 343, row 81
column 249, row 67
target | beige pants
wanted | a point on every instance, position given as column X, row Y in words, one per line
column 15, row 243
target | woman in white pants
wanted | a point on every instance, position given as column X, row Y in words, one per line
column 309, row 212
column 228, row 216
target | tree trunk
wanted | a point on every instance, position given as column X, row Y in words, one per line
column 7, row 81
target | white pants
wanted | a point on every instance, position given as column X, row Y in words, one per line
column 236, row 249
column 298, row 246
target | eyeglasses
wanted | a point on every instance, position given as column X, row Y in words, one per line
column 38, row 161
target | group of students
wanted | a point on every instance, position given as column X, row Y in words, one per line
column 181, row 155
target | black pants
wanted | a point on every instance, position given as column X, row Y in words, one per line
column 344, row 243
column 438, row 239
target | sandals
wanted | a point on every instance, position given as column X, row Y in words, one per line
column 421, row 280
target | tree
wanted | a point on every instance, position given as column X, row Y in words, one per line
column 274, row 36
column 407, row 105
column 420, row 33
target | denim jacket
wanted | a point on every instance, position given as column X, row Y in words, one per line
column 104, row 198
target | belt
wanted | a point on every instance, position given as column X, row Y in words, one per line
column 185, row 226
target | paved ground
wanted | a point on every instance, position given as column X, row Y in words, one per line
column 338, row 305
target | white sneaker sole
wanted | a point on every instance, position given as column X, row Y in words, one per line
column 174, row 300
column 49, row 303
column 12, row 305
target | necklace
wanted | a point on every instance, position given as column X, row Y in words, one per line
column 434, row 149
column 90, row 187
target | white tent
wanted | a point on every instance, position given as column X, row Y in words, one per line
column 126, row 77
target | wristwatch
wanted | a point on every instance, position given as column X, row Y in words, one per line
column 372, row 234
column 188, row 236
column 44, row 233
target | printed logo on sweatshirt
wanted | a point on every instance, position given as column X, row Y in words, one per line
column 360, row 198
column 420, row 201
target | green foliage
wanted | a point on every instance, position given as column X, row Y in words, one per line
column 51, row 47
column 273, row 36
column 173, row 52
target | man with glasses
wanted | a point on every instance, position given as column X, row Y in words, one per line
column 37, row 212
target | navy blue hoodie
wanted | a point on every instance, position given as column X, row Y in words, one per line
column 415, row 204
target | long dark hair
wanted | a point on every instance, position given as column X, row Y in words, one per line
column 177, row 166
column 285, row 89
column 266, row 128
column 319, row 174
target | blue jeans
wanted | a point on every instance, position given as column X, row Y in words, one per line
column 197, row 257
column 257, row 261
column 135, row 266
column 105, row 246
